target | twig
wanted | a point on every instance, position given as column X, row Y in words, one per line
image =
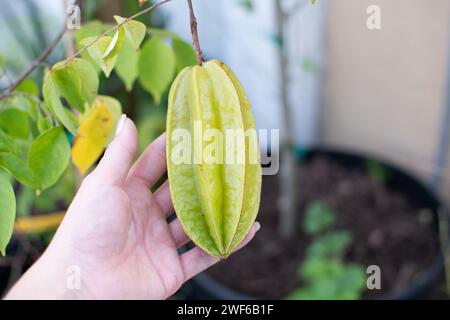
column 43, row 56
column 117, row 27
column 287, row 199
column 7, row 92
column 198, row 51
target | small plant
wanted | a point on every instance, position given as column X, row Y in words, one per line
column 324, row 273
column 378, row 171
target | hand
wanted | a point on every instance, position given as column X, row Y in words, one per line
column 115, row 236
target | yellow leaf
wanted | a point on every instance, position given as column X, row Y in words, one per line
column 38, row 224
column 96, row 130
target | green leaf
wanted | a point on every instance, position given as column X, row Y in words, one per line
column 331, row 245
column 318, row 218
column 353, row 278
column 330, row 280
column 127, row 65
column 301, row 294
column 378, row 171
column 97, row 51
column 134, row 31
column 13, row 145
column 49, row 156
column 151, row 127
column 77, row 80
column 90, row 29
column 162, row 33
column 44, row 123
column 156, row 67
column 6, row 142
column 314, row 269
column 61, row 193
column 184, row 54
column 15, row 123
column 115, row 45
column 25, row 104
column 28, row 86
column 51, row 97
column 7, row 212
column 18, row 168
column 25, row 201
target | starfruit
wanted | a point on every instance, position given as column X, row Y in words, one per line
column 215, row 176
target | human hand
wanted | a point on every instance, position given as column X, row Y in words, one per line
column 115, row 234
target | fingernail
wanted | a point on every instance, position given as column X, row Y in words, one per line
column 257, row 226
column 120, row 124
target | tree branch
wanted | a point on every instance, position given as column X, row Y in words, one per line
column 42, row 57
column 287, row 204
column 117, row 27
column 198, row 51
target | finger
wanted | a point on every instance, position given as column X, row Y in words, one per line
column 152, row 163
column 119, row 156
column 179, row 236
column 196, row 260
column 255, row 228
column 164, row 199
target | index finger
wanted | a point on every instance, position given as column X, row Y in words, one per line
column 152, row 164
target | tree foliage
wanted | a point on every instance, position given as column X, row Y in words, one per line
column 41, row 129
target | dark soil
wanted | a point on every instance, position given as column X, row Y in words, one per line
column 384, row 222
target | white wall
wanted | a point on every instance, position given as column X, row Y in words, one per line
column 385, row 89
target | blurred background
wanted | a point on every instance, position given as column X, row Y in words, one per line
column 360, row 92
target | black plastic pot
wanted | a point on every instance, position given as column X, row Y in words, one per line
column 205, row 287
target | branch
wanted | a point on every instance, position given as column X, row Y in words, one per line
column 42, row 57
column 198, row 51
column 117, row 27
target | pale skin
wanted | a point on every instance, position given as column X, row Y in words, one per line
column 115, row 235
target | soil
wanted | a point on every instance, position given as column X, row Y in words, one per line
column 384, row 221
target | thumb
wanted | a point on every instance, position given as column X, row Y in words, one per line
column 119, row 156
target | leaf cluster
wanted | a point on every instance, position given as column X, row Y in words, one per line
column 324, row 273
column 42, row 129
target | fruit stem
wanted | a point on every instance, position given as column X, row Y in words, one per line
column 198, row 51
